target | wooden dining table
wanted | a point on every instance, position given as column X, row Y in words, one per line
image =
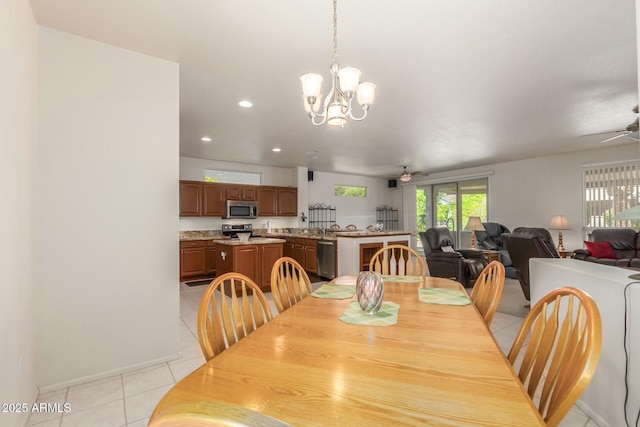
column 438, row 365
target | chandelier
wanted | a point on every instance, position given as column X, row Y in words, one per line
column 336, row 109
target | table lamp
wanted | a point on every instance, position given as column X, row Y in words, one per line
column 559, row 222
column 474, row 224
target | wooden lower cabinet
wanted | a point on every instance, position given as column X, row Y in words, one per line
column 288, row 247
column 254, row 261
column 197, row 259
column 193, row 259
column 399, row 242
column 367, row 250
column 305, row 252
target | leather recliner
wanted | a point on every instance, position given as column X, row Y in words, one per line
column 463, row 265
column 526, row 243
column 491, row 239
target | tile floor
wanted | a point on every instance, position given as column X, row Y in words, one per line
column 128, row 399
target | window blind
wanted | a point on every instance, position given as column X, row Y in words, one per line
column 608, row 190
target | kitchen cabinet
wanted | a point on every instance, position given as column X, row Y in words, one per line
column 241, row 192
column 193, row 259
column 305, row 252
column 212, row 255
column 197, row 259
column 253, row 260
column 267, row 201
column 287, row 201
column 277, row 201
column 288, row 247
column 208, row 198
column 367, row 250
column 191, row 198
column 213, row 199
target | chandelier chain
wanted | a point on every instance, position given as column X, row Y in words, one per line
column 335, row 30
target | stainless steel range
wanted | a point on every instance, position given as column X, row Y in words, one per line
column 232, row 230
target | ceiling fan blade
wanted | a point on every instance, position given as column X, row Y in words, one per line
column 614, row 137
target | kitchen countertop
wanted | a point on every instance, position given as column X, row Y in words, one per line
column 364, row 233
column 251, row 241
column 311, row 234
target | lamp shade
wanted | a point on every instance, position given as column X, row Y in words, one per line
column 349, row 78
column 311, row 84
column 366, row 93
column 474, row 224
column 632, row 213
column 559, row 222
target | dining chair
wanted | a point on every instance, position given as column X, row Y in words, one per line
column 557, row 349
column 398, row 260
column 210, row 414
column 487, row 291
column 351, row 227
column 334, row 227
column 289, row 283
column 231, row 308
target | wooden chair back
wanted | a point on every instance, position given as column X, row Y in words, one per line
column 351, row 227
column 289, row 283
column 487, row 291
column 398, row 260
column 557, row 349
column 224, row 318
column 334, row 227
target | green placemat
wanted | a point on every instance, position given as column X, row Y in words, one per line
column 398, row 278
column 334, row 291
column 386, row 316
column 443, row 296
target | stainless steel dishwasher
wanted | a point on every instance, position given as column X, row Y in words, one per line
column 326, row 251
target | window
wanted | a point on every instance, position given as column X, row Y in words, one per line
column 232, row 177
column 450, row 204
column 608, row 190
column 349, row 191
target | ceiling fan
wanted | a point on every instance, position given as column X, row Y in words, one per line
column 631, row 131
column 406, row 176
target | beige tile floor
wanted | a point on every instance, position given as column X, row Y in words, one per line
column 128, row 399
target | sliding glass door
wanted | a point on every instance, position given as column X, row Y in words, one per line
column 450, row 205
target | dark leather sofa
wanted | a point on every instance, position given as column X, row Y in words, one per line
column 526, row 243
column 491, row 239
column 463, row 264
column 625, row 245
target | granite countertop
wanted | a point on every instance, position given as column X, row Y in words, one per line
column 251, row 241
column 365, row 233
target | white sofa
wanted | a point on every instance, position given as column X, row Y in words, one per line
column 603, row 400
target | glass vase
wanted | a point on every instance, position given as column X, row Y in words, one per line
column 370, row 291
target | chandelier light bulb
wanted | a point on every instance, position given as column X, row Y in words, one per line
column 345, row 82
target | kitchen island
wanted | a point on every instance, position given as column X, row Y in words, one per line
column 253, row 258
column 355, row 248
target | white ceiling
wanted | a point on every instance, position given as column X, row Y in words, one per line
column 460, row 83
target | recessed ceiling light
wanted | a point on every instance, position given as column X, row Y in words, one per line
column 205, row 139
column 245, row 104
column 276, row 150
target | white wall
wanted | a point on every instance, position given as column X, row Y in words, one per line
column 351, row 210
column 528, row 193
column 18, row 48
column 107, row 199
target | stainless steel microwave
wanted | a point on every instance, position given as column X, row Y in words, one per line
column 240, row 209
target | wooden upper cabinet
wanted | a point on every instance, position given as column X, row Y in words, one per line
column 267, row 201
column 287, row 201
column 213, row 199
column 241, row 192
column 208, row 199
column 190, row 198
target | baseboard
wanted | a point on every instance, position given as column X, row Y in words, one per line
column 107, row 374
column 591, row 414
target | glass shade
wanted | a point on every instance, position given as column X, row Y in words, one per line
column 349, row 78
column 335, row 115
column 311, row 84
column 366, row 93
column 559, row 222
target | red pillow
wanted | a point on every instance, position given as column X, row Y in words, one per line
column 601, row 249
